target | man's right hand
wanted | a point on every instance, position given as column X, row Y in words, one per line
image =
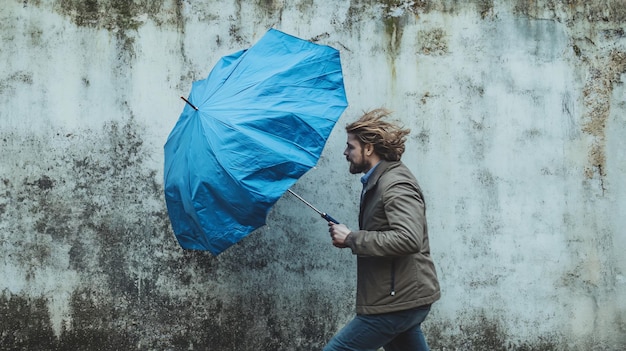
column 338, row 233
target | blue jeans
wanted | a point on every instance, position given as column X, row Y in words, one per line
column 397, row 331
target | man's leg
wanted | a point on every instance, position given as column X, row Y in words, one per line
column 413, row 338
column 363, row 333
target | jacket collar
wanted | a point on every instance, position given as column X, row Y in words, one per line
column 369, row 173
column 372, row 180
column 378, row 171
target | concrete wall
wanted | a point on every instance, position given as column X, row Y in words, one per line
column 518, row 117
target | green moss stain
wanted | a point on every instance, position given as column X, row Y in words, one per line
column 122, row 18
column 117, row 15
column 394, row 30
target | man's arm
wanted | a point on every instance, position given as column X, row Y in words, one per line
column 404, row 232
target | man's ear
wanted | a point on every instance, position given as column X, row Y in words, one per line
column 369, row 149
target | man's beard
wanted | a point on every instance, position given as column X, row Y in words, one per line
column 361, row 167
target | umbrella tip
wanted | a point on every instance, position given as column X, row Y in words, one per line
column 190, row 104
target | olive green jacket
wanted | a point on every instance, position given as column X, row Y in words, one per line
column 394, row 269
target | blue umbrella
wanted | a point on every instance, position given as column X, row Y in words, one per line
column 247, row 133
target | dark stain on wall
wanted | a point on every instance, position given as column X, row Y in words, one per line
column 92, row 207
column 8, row 84
column 97, row 324
column 25, row 324
column 479, row 332
column 117, row 15
column 62, row 207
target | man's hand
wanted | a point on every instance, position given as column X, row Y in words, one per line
column 339, row 233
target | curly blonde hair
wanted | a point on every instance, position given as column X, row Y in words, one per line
column 388, row 138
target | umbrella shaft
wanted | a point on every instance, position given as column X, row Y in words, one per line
column 306, row 202
column 324, row 215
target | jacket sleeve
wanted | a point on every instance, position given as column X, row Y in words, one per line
column 405, row 226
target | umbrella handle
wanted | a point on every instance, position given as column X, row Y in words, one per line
column 327, row 217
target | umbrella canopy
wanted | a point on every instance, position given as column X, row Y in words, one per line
column 256, row 124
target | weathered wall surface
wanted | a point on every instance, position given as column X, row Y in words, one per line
column 518, row 117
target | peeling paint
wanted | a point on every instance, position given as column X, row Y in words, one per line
column 432, row 42
column 605, row 67
column 597, row 94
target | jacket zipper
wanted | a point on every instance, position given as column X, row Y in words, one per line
column 393, row 277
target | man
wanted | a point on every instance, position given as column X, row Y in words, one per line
column 396, row 277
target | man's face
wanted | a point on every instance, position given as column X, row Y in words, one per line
column 355, row 154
